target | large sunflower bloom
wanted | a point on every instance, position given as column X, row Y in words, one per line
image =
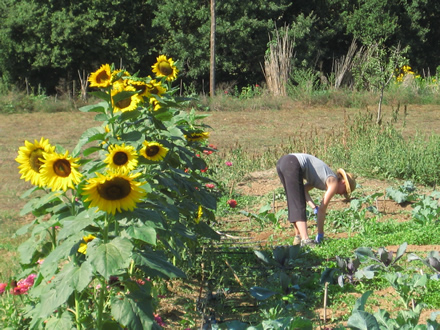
column 121, row 157
column 153, row 151
column 83, row 246
column 102, row 77
column 114, row 192
column 29, row 157
column 165, row 68
column 59, row 171
column 127, row 104
column 197, row 136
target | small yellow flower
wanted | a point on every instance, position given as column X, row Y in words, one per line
column 199, row 214
column 83, row 246
column 153, row 151
column 197, row 136
column 121, row 158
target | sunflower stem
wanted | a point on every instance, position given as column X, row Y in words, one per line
column 77, row 311
column 100, row 305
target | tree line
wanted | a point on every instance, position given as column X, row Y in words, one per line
column 48, row 43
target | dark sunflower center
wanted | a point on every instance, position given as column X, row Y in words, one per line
column 62, row 168
column 34, row 159
column 152, row 151
column 165, row 68
column 153, row 89
column 123, row 103
column 120, row 158
column 102, row 76
column 114, row 189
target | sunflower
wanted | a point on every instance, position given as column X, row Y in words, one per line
column 59, row 171
column 197, row 136
column 153, row 151
column 155, row 104
column 102, row 77
column 83, row 246
column 155, row 88
column 140, row 86
column 30, row 159
column 121, row 157
column 114, row 192
column 165, row 68
column 127, row 104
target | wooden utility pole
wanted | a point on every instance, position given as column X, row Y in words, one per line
column 212, row 59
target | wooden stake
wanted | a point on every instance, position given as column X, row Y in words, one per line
column 235, row 275
column 325, row 302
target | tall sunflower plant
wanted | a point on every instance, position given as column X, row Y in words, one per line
column 120, row 210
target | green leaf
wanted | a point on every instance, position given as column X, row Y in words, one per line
column 60, row 323
column 109, row 258
column 360, row 302
column 133, row 311
column 54, row 298
column 400, row 251
column 76, row 276
column 155, row 264
column 68, row 247
column 132, row 136
column 363, row 321
column 99, row 107
column 364, row 253
column 143, row 233
column 75, row 224
column 260, row 293
column 91, row 134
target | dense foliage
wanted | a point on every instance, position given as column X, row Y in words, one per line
column 46, row 43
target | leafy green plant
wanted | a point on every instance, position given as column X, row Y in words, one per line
column 427, row 208
column 403, row 193
column 432, row 261
column 382, row 257
column 409, row 287
column 406, row 319
column 265, row 215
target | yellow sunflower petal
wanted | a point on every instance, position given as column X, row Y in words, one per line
column 102, row 77
column 121, row 158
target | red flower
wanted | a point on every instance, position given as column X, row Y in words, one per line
column 210, row 185
column 232, row 203
column 24, row 285
column 2, row 287
column 204, row 170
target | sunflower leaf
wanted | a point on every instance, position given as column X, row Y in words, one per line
column 155, row 264
column 109, row 258
column 143, row 233
column 99, row 107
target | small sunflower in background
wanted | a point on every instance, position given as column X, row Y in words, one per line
column 197, row 136
column 102, row 77
column 199, row 214
column 114, row 192
column 165, row 67
column 30, row 159
column 155, row 88
column 155, row 104
column 153, row 151
column 59, row 172
column 83, row 246
column 128, row 103
column 121, row 158
column 140, row 86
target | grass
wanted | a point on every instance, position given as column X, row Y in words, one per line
column 267, row 135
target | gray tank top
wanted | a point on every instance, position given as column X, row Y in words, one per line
column 315, row 171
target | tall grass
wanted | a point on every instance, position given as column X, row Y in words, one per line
column 359, row 145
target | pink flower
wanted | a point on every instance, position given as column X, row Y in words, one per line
column 204, row 170
column 210, row 185
column 40, row 261
column 23, row 285
column 232, row 203
column 2, row 287
column 228, row 163
column 158, row 320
